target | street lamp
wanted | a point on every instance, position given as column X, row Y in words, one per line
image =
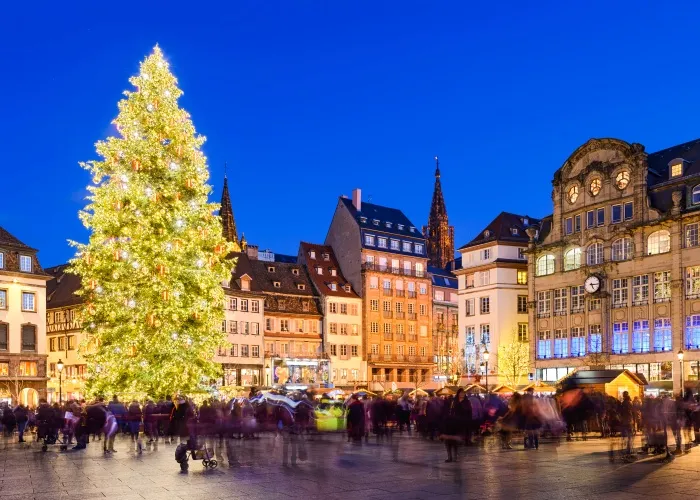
column 486, row 358
column 59, row 367
column 680, row 362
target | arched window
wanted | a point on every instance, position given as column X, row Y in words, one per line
column 696, row 195
column 594, row 254
column 622, row 249
column 659, row 242
column 545, row 265
column 572, row 259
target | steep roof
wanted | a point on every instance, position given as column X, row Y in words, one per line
column 7, row 239
column 61, row 289
column 383, row 214
column 324, row 259
column 501, row 229
column 289, row 277
column 242, row 267
column 437, row 207
column 442, row 277
column 658, row 162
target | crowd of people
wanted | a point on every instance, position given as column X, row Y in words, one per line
column 457, row 420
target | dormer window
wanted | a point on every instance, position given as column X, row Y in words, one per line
column 363, row 220
column 375, row 222
column 245, row 284
column 312, row 254
column 319, row 270
column 226, row 283
column 326, row 256
column 526, row 222
column 301, row 286
column 333, row 272
column 333, row 286
column 270, row 269
column 676, row 170
column 514, row 231
column 412, row 229
column 388, row 225
column 400, row 227
column 276, row 284
column 487, row 233
column 25, row 263
column 348, row 288
column 295, row 272
column 305, row 306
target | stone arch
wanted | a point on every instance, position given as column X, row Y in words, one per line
column 596, row 150
column 29, row 397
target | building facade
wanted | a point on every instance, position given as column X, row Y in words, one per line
column 439, row 234
column 493, row 299
column 64, row 336
column 244, row 306
column 615, row 270
column 23, row 373
column 383, row 256
column 341, row 307
column 294, row 355
column 449, row 365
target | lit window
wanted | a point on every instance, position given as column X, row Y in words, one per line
column 622, row 249
column 691, row 235
column 522, row 278
column 573, row 194
column 677, row 169
column 2, row 260
column 381, row 242
column 3, row 299
column 594, row 254
column 418, row 248
column 400, row 227
column 369, row 240
column 25, row 263
column 596, row 186
column 572, row 259
column 545, row 265
column 406, row 246
column 395, row 245
column 622, row 179
column 659, row 242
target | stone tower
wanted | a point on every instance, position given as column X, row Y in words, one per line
column 440, row 235
column 227, row 220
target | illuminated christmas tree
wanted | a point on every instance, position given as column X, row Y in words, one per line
column 152, row 272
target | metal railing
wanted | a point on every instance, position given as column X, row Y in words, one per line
column 385, row 268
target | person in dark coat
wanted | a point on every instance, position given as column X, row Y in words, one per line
column 92, row 421
column 150, row 424
column 182, row 415
column 356, row 419
column 165, row 411
column 455, row 423
column 21, row 417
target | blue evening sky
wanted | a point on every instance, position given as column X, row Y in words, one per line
column 307, row 100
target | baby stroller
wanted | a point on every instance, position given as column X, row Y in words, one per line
column 48, row 431
column 193, row 450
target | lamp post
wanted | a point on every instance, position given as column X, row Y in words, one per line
column 59, row 367
column 680, row 362
column 486, row 358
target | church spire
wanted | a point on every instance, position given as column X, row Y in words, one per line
column 226, row 214
column 439, row 233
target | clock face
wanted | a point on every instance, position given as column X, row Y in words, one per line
column 592, row 284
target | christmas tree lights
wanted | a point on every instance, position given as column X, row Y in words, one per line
column 151, row 273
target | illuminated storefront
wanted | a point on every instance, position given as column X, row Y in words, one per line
column 296, row 371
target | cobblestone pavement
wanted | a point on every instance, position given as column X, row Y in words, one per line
column 407, row 468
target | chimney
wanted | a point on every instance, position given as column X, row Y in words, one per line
column 357, row 199
column 252, row 252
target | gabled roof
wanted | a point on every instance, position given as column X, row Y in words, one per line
column 501, row 229
column 322, row 281
column 266, row 274
column 242, row 268
column 383, row 214
column 7, row 239
column 61, row 289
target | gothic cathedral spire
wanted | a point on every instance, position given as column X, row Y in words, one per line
column 226, row 214
column 440, row 235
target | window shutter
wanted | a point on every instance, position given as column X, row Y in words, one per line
column 28, row 338
column 3, row 336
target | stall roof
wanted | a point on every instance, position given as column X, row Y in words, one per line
column 592, row 377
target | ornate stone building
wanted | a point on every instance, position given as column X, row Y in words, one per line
column 383, row 256
column 440, row 235
column 22, row 322
column 615, row 270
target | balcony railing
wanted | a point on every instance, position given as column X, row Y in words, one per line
column 384, row 268
column 412, row 337
column 387, row 336
column 400, row 337
column 662, row 299
column 619, row 305
column 387, row 292
column 640, row 302
column 411, row 294
column 560, row 313
column 387, row 314
column 400, row 293
column 576, row 310
column 543, row 315
column 400, row 315
column 412, row 316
